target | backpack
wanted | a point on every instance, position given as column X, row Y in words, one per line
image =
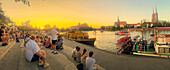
column 80, row 66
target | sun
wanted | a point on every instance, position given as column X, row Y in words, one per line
column 41, row 27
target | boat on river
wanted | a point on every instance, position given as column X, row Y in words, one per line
column 80, row 36
column 160, row 45
column 122, row 33
column 162, row 40
column 122, row 44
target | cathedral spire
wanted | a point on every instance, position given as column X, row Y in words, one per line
column 156, row 9
column 153, row 10
column 118, row 19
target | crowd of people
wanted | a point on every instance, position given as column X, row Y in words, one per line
column 86, row 63
column 33, row 51
column 34, row 42
column 54, row 41
column 7, row 33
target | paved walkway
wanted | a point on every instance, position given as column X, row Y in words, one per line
column 15, row 60
column 111, row 61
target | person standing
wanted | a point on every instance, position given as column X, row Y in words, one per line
column 54, row 34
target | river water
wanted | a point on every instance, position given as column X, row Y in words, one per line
column 107, row 40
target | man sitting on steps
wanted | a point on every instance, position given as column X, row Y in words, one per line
column 33, row 52
column 90, row 62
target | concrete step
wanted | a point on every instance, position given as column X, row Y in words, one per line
column 4, row 49
column 68, row 52
column 59, row 61
column 24, row 64
column 11, row 59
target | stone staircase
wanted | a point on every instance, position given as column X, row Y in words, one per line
column 14, row 59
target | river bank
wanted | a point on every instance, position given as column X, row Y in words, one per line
column 140, row 29
column 110, row 61
column 15, row 60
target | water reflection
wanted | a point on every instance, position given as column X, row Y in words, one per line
column 107, row 40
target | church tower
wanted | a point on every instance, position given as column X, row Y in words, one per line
column 118, row 20
column 156, row 16
column 153, row 16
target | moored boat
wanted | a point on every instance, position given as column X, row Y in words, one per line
column 122, row 33
column 159, row 46
column 122, row 44
column 162, row 40
column 79, row 36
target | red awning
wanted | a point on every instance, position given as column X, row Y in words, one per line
column 163, row 28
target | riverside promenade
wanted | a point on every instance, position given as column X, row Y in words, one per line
column 111, row 61
column 15, row 59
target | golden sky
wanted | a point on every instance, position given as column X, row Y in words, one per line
column 96, row 13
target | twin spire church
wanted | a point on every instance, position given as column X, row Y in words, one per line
column 154, row 20
column 155, row 16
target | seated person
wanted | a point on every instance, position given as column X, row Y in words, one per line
column 22, row 35
column 26, row 36
column 17, row 37
column 12, row 34
column 74, row 52
column 83, row 58
column 5, row 39
column 48, row 43
column 60, row 42
column 90, row 62
column 78, row 55
column 2, row 32
column 33, row 52
column 38, row 41
column 26, row 39
column 42, row 41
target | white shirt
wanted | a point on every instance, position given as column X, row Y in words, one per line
column 89, row 63
column 27, row 39
column 54, row 34
column 31, row 49
column 74, row 53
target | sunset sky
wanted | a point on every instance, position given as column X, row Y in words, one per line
column 96, row 13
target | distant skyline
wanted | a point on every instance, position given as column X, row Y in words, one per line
column 96, row 13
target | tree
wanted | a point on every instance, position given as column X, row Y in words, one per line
column 159, row 25
column 114, row 28
column 167, row 24
column 102, row 27
column 85, row 28
column 149, row 26
column 118, row 26
column 62, row 30
column 4, row 19
column 47, row 26
column 126, row 26
column 131, row 26
column 26, row 2
column 67, row 29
